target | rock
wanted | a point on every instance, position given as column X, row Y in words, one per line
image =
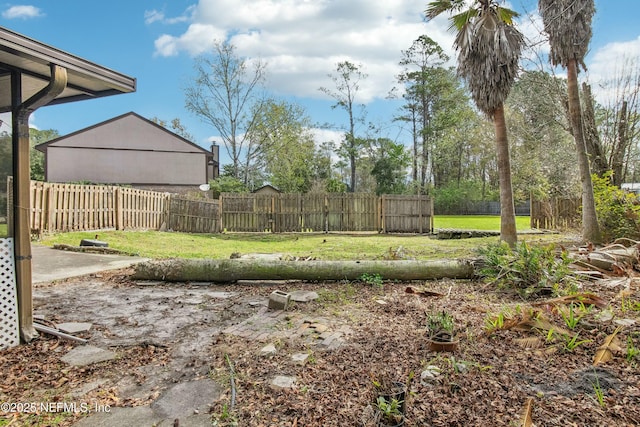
column 430, row 375
column 282, row 382
column 184, row 399
column 87, row 355
column 300, row 358
column 74, row 327
column 268, row 350
column 303, row 296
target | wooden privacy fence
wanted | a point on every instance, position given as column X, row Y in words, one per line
column 325, row 212
column 74, row 207
column 555, row 214
column 193, row 216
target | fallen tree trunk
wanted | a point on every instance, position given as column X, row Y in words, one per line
column 230, row 270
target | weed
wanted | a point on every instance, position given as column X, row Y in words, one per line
column 628, row 304
column 526, row 269
column 224, row 417
column 571, row 343
column 493, row 322
column 550, row 334
column 599, row 392
column 573, row 314
column 374, row 280
column 632, row 350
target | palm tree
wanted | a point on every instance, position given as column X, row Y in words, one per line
column 489, row 48
column 568, row 24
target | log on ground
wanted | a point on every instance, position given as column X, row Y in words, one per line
column 231, row 270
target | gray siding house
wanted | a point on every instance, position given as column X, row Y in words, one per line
column 131, row 150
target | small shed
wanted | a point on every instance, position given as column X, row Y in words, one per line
column 267, row 190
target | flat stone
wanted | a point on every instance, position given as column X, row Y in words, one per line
column 303, row 296
column 282, row 382
column 88, row 387
column 86, row 355
column 120, row 416
column 74, row 327
column 185, row 399
column 268, row 350
column 300, row 358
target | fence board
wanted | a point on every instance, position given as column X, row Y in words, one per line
column 555, row 214
column 408, row 214
column 194, row 216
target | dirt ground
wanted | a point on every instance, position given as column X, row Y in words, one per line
column 352, row 334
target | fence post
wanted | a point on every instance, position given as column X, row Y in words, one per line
column 383, row 213
column 117, row 194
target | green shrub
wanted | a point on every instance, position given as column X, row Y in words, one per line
column 530, row 270
column 618, row 210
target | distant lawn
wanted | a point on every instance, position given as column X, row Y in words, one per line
column 160, row 245
column 3, row 230
column 477, row 222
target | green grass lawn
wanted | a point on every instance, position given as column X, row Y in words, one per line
column 477, row 222
column 160, row 245
column 3, row 230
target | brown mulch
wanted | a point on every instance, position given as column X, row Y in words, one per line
column 486, row 382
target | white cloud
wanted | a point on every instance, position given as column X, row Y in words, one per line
column 23, row 12
column 198, row 39
column 608, row 64
column 151, row 16
column 303, row 40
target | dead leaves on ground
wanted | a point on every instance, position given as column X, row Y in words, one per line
column 605, row 351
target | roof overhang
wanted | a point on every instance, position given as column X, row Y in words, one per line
column 33, row 61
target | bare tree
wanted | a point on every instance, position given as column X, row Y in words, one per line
column 224, row 94
column 347, row 79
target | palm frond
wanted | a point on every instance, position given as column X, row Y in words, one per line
column 437, row 7
column 461, row 19
column 506, row 15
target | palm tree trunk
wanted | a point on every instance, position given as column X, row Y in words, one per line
column 590, row 228
column 507, row 209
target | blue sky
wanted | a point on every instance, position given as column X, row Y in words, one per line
column 156, row 42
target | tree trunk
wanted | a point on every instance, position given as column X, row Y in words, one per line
column 230, row 270
column 599, row 163
column 507, row 208
column 620, row 147
column 590, row 228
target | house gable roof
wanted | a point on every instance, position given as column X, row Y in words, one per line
column 129, row 131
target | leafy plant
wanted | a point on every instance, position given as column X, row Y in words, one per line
column 441, row 326
column 371, row 279
column 527, row 269
column 573, row 314
column 571, row 343
column 618, row 211
column 390, row 410
column 632, row 350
